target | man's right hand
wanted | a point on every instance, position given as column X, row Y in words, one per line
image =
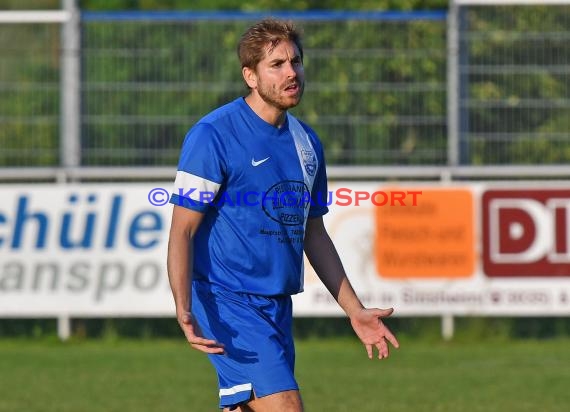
column 194, row 335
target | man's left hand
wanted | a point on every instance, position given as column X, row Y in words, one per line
column 368, row 326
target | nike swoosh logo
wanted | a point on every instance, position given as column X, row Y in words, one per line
column 258, row 162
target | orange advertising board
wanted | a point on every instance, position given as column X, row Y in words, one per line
column 432, row 239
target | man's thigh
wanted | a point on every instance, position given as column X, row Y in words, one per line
column 286, row 401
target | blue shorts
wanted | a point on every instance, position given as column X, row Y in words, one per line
column 256, row 332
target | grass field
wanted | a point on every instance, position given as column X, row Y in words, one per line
column 334, row 374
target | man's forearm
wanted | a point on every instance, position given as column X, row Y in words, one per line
column 179, row 275
column 324, row 258
column 328, row 266
column 180, row 259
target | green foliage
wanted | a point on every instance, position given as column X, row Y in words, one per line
column 29, row 95
column 376, row 90
column 516, row 115
column 29, row 4
column 252, row 5
column 361, row 89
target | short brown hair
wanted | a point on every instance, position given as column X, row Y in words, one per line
column 251, row 47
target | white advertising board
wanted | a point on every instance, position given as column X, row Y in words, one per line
column 424, row 249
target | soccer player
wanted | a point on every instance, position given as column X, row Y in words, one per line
column 249, row 197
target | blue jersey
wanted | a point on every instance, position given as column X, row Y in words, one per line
column 257, row 185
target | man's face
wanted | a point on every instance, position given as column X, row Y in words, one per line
column 280, row 76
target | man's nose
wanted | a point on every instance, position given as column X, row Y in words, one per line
column 290, row 69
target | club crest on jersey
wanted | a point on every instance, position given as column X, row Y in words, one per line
column 309, row 161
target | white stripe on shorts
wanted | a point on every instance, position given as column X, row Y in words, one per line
column 235, row 389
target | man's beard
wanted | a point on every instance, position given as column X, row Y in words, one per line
column 273, row 96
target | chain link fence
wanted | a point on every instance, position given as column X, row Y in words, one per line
column 29, row 94
column 515, row 84
column 377, row 86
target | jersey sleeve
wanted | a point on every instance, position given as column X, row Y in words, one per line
column 319, row 194
column 201, row 169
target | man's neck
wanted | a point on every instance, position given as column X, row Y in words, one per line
column 269, row 113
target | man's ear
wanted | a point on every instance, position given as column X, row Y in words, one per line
column 249, row 77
